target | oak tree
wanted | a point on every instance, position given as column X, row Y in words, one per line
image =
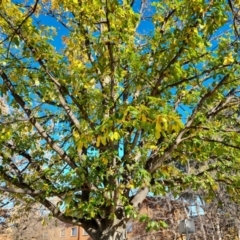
column 104, row 101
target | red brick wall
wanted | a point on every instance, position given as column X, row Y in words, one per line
column 80, row 234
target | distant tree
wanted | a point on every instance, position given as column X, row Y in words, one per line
column 217, row 218
column 99, row 111
column 164, row 210
column 33, row 224
column 4, row 215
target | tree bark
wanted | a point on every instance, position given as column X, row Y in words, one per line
column 116, row 229
column 114, row 236
column 119, row 233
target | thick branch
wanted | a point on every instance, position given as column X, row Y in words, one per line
column 89, row 224
column 139, row 197
column 21, row 191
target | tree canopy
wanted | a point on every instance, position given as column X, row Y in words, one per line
column 105, row 101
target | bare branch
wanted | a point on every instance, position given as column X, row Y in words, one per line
column 21, row 191
column 220, row 142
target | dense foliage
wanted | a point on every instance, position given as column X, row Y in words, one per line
column 104, row 101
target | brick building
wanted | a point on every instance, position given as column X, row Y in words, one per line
column 69, row 232
column 157, row 208
column 4, row 236
column 63, row 232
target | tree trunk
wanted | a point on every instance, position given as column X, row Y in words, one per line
column 119, row 233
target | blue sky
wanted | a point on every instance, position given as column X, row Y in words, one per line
column 145, row 26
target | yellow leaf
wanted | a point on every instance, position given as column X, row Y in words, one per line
column 165, row 124
column 228, row 59
column 175, row 128
column 130, row 185
column 111, row 136
column 14, row 77
column 139, row 87
column 36, row 81
column 43, row 222
column 215, row 187
column 144, row 118
column 92, row 214
column 116, row 135
column 201, row 45
column 92, row 81
column 98, row 141
column 158, row 127
column 86, row 85
column 195, row 30
column 75, row 134
column 103, row 141
column 80, row 146
column 157, row 135
column 153, row 147
column 105, row 161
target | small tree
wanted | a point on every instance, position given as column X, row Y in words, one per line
column 94, row 106
column 33, row 224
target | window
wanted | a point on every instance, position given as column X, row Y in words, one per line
column 84, row 232
column 62, row 233
column 73, row 231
